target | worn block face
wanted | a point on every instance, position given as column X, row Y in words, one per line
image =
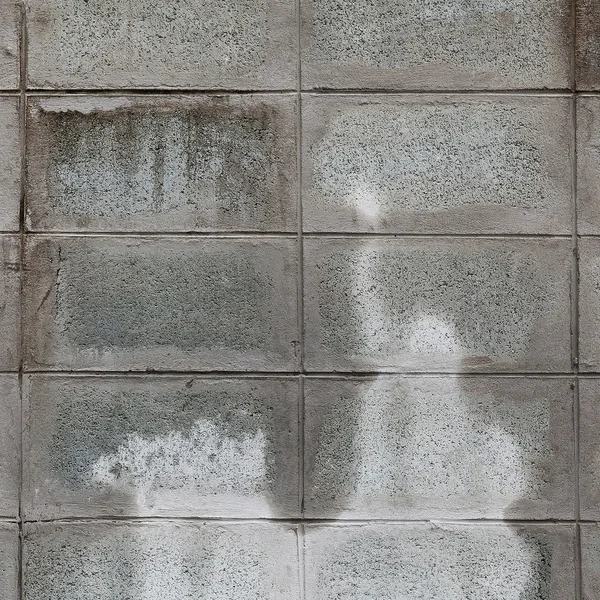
column 10, row 155
column 164, row 446
column 168, row 561
column 208, row 163
column 588, row 45
column 10, row 25
column 9, row 301
column 170, row 303
column 9, row 561
column 427, row 561
column 401, row 44
column 397, row 447
column 590, row 561
column 10, row 442
column 437, row 164
column 589, row 449
column 236, row 44
column 588, row 167
column 437, row 304
column 589, row 304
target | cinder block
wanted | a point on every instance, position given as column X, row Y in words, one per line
column 10, row 155
column 445, row 304
column 590, row 561
column 10, row 26
column 589, row 449
column 9, row 561
column 449, row 164
column 587, row 38
column 588, row 169
column 427, row 561
column 160, row 561
column 202, row 163
column 589, row 304
column 10, row 443
column 9, row 302
column 184, row 303
column 213, row 44
column 402, row 44
column 425, row 448
column 160, row 446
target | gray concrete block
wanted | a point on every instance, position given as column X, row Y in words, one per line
column 401, row 44
column 589, row 304
column 202, row 163
column 184, row 303
column 9, row 561
column 590, row 561
column 589, row 449
column 440, row 561
column 426, row 448
column 445, row 304
column 214, row 44
column 425, row 164
column 10, row 26
column 160, row 561
column 10, row 445
column 588, row 169
column 10, row 155
column 160, row 446
column 10, row 302
column 587, row 54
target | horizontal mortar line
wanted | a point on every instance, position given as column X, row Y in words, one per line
column 357, row 234
column 167, row 234
column 148, row 91
column 558, row 92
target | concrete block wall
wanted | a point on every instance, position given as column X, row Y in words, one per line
column 300, row 299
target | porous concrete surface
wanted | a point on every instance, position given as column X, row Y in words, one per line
column 445, row 304
column 10, row 26
column 183, row 163
column 589, row 304
column 214, row 44
column 180, row 303
column 160, row 446
column 440, row 562
column 160, row 561
column 437, row 164
column 9, row 561
column 590, row 558
column 10, row 445
column 10, row 155
column 443, row 45
column 587, row 52
column 589, row 449
column 588, row 165
column 439, row 447
column 10, row 302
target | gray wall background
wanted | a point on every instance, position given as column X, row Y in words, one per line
column 300, row 299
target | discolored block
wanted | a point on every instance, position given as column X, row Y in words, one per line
column 9, row 561
column 587, row 40
column 404, row 448
column 185, row 303
column 588, row 169
column 160, row 446
column 444, row 304
column 401, row 44
column 160, row 561
column 164, row 163
column 437, row 164
column 9, row 302
column 214, row 44
column 10, row 26
column 424, row 561
column 589, row 304
column 10, row 155
column 589, row 449
column 10, row 442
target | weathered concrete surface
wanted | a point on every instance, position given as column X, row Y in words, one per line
column 426, row 448
column 588, row 45
column 588, row 165
column 589, row 448
column 431, row 164
column 161, row 446
column 9, row 561
column 10, row 155
column 9, row 302
column 10, row 445
column 166, row 561
column 589, row 304
column 203, row 163
column 233, row 44
column 10, row 25
column 440, row 562
column 437, row 304
column 180, row 303
column 450, row 44
column 590, row 561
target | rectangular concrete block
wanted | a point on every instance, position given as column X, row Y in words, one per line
column 214, row 44
column 160, row 561
column 589, row 304
column 160, row 446
column 445, row 304
column 401, row 44
column 10, row 156
column 587, row 39
column 10, row 445
column 425, row 164
column 10, row 302
column 184, row 303
column 163, row 163
column 588, row 168
column 589, row 449
column 590, row 561
column 450, row 447
column 440, row 561
column 10, row 26
column 9, row 561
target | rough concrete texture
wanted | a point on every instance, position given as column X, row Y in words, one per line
column 440, row 562
column 437, row 304
column 234, row 44
column 10, row 26
column 203, row 163
column 590, row 558
column 9, row 561
column 10, row 445
column 181, row 303
column 423, row 448
column 436, row 44
column 9, row 302
column 10, row 155
column 589, row 304
column 160, row 446
column 588, row 165
column 431, row 164
column 587, row 54
column 589, row 449
column 167, row 561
